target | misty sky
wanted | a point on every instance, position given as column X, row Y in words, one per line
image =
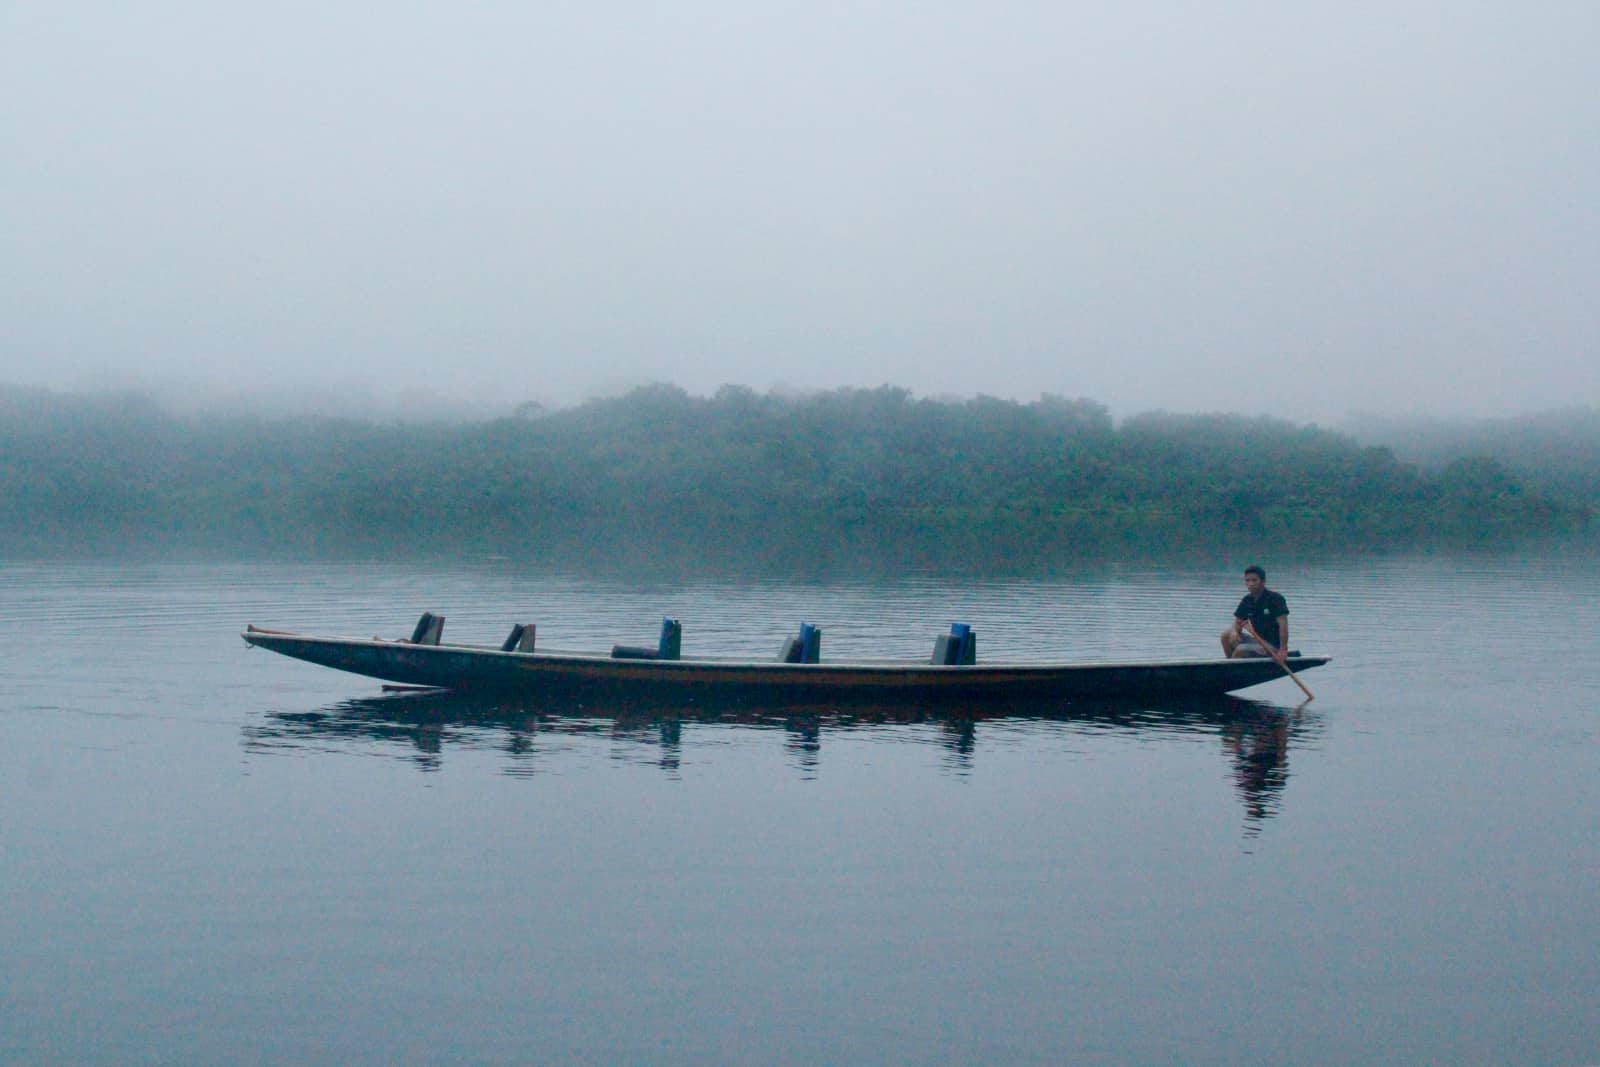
column 1301, row 209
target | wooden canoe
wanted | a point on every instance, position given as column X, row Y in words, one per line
column 473, row 669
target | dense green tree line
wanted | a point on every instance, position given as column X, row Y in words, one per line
column 844, row 478
column 1556, row 451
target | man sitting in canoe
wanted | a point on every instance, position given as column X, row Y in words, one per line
column 1266, row 611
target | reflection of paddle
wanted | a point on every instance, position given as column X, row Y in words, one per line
column 1279, row 658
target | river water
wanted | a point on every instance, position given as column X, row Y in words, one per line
column 213, row 854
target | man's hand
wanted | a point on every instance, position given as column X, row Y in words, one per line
column 1276, row 653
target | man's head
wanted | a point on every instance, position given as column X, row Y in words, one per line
column 1255, row 579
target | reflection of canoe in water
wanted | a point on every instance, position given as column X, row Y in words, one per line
column 381, row 716
column 434, row 718
column 537, row 734
column 636, row 674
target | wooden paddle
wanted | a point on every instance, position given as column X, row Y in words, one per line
column 1279, row 658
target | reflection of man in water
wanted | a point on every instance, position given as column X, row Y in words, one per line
column 1259, row 749
column 1264, row 610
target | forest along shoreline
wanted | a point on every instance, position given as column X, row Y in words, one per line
column 851, row 478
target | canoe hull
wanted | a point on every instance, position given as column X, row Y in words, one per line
column 468, row 669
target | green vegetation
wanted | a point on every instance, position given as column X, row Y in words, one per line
column 844, row 479
column 1553, row 451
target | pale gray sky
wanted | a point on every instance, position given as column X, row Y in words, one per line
column 1304, row 209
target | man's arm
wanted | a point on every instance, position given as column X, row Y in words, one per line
column 1283, row 634
column 1241, row 615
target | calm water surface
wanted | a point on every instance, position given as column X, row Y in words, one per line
column 212, row 854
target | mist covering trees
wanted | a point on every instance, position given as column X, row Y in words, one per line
column 1558, row 451
column 851, row 478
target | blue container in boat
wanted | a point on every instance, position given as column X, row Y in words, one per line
column 810, row 643
column 966, row 643
column 671, row 645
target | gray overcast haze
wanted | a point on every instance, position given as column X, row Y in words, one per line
column 1301, row 209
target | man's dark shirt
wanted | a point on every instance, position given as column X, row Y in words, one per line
column 1263, row 613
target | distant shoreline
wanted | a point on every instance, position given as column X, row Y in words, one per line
column 850, row 479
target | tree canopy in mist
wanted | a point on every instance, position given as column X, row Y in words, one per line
column 848, row 478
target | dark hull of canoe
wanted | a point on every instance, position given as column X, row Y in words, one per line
column 538, row 675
